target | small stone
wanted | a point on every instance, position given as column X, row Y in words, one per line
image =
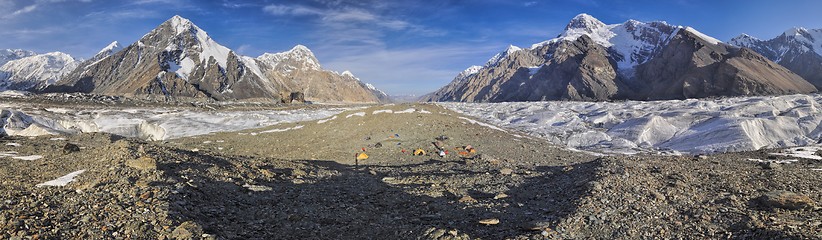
column 771, row 166
column 378, row 145
column 489, row 221
column 702, row 157
column 70, row 148
column 787, row 200
column 187, row 230
column 501, row 196
column 467, row 199
column 298, row 173
column 143, row 163
column 536, row 225
column 506, row 171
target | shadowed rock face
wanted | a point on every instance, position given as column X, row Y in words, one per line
column 592, row 61
column 178, row 59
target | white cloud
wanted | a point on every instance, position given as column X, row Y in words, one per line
column 24, row 10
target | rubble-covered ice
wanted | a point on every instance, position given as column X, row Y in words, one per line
column 144, row 123
column 689, row 126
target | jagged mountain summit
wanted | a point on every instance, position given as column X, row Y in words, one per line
column 797, row 49
column 180, row 60
column 595, row 61
column 35, row 71
column 7, row 55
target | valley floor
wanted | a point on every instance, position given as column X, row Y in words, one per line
column 301, row 180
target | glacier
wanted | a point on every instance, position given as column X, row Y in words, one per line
column 693, row 126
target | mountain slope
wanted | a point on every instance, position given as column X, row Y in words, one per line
column 7, row 55
column 594, row 61
column 797, row 49
column 693, row 66
column 35, row 71
column 180, row 60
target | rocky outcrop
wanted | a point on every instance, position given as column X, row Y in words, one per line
column 179, row 60
column 592, row 61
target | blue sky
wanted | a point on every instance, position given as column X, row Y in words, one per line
column 400, row 46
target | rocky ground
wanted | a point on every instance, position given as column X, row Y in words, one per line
column 302, row 181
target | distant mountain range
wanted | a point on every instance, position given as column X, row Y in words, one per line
column 594, row 61
column 179, row 60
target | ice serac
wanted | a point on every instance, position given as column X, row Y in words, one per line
column 36, row 71
column 797, row 49
column 594, row 61
column 179, row 60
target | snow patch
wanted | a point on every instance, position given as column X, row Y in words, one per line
column 807, row 152
column 361, row 114
column 28, row 158
column 382, row 111
column 282, row 129
column 410, row 110
column 62, row 181
column 707, row 38
column 327, row 119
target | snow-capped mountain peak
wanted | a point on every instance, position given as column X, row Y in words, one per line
column 31, row 71
column 347, row 73
column 204, row 46
column 584, row 21
column 299, row 56
column 111, row 48
column 744, row 40
column 633, row 41
column 502, row 55
column 13, row 54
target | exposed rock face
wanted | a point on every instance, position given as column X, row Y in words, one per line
column 592, row 61
column 797, row 49
column 691, row 67
column 180, row 60
column 35, row 71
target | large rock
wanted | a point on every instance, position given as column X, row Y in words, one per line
column 787, row 200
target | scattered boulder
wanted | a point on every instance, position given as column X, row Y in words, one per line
column 467, row 199
column 787, row 200
column 489, row 221
column 143, row 163
column 187, row 230
column 70, row 148
column 296, row 97
column 506, row 171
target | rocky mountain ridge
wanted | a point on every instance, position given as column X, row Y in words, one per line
column 797, row 49
column 180, row 60
column 633, row 60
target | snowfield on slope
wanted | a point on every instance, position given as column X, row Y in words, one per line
column 150, row 124
column 678, row 126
